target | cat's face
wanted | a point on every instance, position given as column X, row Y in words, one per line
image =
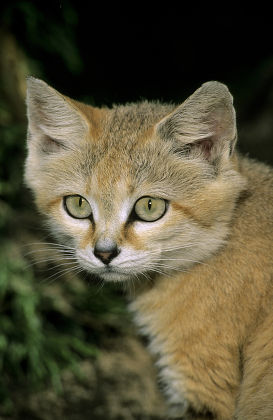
column 122, row 188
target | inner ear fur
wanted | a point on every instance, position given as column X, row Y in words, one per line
column 205, row 123
column 54, row 121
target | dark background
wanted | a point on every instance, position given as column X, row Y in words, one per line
column 120, row 52
column 52, row 322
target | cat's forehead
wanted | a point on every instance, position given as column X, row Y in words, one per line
column 124, row 146
column 117, row 173
column 124, row 123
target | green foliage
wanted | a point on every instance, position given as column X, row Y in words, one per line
column 11, row 157
column 45, row 327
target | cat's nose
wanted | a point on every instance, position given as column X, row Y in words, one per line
column 106, row 250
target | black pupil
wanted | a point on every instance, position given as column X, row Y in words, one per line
column 149, row 204
column 80, row 201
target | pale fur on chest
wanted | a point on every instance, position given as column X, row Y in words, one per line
column 171, row 381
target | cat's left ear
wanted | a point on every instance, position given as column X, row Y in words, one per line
column 204, row 125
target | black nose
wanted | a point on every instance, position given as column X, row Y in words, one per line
column 106, row 251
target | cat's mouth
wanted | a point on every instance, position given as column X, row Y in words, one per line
column 123, row 271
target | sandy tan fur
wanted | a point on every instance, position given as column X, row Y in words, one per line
column 213, row 311
column 204, row 296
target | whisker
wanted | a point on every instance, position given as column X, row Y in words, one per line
column 158, row 267
column 47, row 246
column 49, row 250
column 99, row 289
column 50, row 259
column 54, row 244
column 67, row 264
column 175, row 248
column 131, row 284
column 153, row 267
column 183, row 260
column 75, row 270
column 169, row 268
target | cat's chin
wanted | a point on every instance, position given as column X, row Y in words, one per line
column 115, row 276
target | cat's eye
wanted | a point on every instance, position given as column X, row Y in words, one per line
column 150, row 209
column 77, row 206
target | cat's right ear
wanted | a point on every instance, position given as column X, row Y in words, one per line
column 204, row 125
column 54, row 122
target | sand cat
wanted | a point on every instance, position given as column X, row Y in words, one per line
column 157, row 196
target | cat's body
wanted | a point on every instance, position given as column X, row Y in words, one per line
column 211, row 328
column 156, row 193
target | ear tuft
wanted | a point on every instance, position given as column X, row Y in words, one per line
column 205, row 123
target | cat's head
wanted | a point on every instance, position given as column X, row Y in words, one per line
column 136, row 189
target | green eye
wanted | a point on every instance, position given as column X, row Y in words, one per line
column 150, row 209
column 77, row 206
